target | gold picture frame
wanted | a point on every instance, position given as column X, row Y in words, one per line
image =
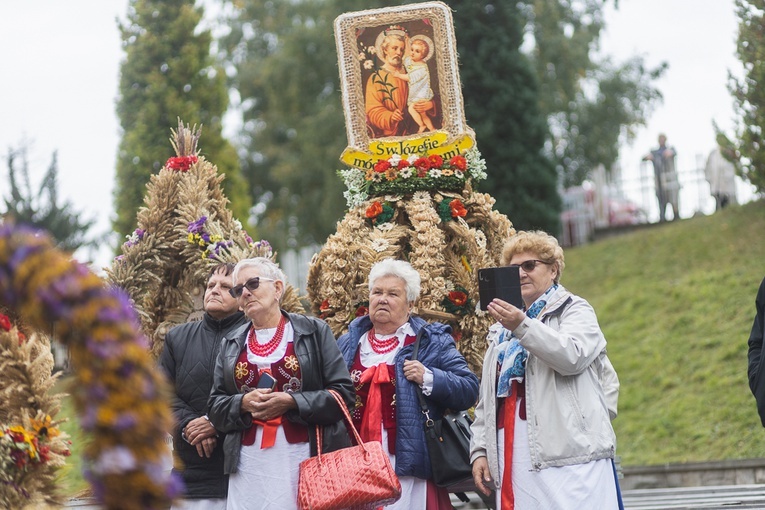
column 374, row 86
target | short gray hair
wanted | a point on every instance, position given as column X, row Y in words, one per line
column 268, row 269
column 400, row 269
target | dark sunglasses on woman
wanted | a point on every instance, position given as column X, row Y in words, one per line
column 528, row 266
column 252, row 284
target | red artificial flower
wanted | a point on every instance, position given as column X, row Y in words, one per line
column 382, row 165
column 457, row 208
column 457, row 297
column 361, row 311
column 436, row 161
column 5, row 322
column 44, row 452
column 422, row 172
column 421, row 164
column 324, row 305
column 402, row 164
column 182, row 163
column 374, row 210
column 458, row 162
column 457, row 335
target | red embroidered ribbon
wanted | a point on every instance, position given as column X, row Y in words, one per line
column 508, row 499
column 269, row 431
column 370, row 423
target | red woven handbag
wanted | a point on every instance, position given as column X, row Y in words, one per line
column 356, row 478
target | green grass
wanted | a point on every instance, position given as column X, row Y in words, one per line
column 676, row 303
column 70, row 480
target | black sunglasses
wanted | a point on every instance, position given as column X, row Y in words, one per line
column 529, row 265
column 252, row 284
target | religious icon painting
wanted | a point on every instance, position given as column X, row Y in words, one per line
column 400, row 84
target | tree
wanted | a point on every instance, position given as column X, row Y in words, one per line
column 168, row 73
column 592, row 106
column 43, row 209
column 748, row 94
column 293, row 127
column 501, row 96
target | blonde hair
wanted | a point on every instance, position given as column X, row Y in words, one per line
column 540, row 243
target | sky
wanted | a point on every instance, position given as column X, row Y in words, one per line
column 61, row 60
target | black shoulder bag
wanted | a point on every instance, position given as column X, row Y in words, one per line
column 448, row 441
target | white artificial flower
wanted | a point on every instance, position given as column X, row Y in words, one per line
column 480, row 239
column 435, row 173
column 406, row 173
column 380, row 245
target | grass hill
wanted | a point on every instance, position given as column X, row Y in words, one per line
column 676, row 303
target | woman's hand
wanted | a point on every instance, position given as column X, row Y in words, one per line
column 506, row 314
column 414, row 371
column 266, row 405
column 481, row 475
column 206, row 446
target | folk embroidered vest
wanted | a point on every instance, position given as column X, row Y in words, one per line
column 286, row 371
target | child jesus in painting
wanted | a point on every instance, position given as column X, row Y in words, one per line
column 418, row 76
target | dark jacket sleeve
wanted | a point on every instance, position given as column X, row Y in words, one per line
column 183, row 413
column 454, row 385
column 315, row 405
column 225, row 404
column 755, row 371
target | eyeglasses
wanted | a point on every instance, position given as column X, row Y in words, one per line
column 252, row 284
column 529, row 265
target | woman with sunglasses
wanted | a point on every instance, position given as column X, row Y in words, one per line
column 542, row 434
column 270, row 391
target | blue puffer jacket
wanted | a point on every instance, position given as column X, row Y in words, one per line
column 454, row 387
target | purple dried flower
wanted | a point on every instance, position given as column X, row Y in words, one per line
column 125, row 421
column 195, row 227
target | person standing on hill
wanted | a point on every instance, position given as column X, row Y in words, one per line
column 720, row 173
column 755, row 370
column 188, row 359
column 665, row 177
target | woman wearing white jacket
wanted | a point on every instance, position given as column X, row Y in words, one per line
column 542, row 434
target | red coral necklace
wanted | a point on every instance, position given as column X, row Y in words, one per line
column 268, row 348
column 382, row 346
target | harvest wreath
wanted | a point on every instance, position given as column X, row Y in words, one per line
column 118, row 393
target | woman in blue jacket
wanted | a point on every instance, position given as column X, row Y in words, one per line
column 376, row 350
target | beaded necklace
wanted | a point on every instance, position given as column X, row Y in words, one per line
column 381, row 346
column 268, row 348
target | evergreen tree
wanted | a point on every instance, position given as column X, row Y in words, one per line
column 501, row 96
column 43, row 209
column 168, row 74
column 748, row 94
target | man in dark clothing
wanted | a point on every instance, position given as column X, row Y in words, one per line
column 755, row 371
column 665, row 177
column 188, row 358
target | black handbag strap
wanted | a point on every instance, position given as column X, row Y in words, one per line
column 420, row 397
